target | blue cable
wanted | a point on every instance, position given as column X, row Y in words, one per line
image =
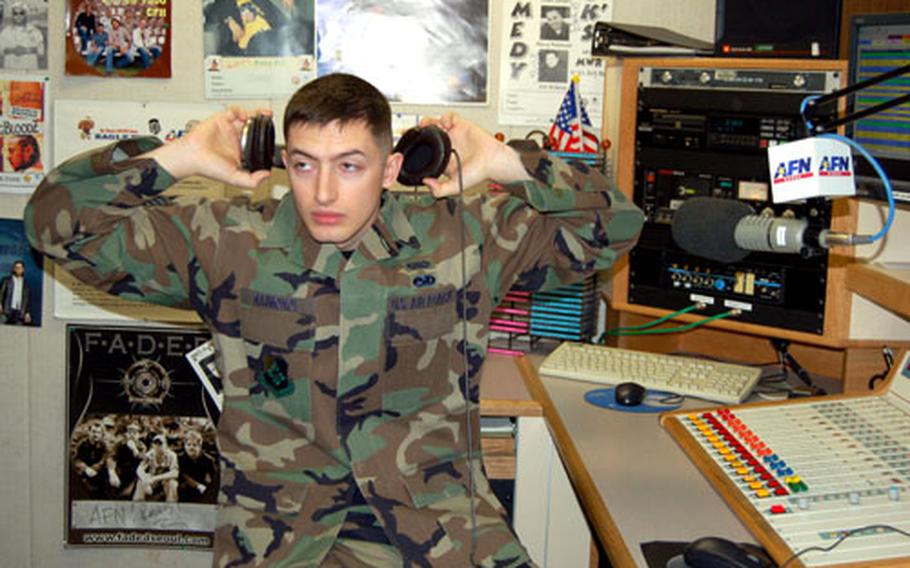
column 889, row 192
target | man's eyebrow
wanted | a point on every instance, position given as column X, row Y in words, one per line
column 345, row 154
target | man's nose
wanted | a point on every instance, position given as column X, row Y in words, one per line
column 326, row 192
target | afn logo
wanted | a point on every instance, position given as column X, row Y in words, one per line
column 834, row 166
column 793, row 170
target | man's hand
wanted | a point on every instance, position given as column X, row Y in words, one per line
column 201, row 488
column 483, row 157
column 211, row 149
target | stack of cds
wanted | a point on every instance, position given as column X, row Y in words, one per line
column 523, row 319
column 567, row 313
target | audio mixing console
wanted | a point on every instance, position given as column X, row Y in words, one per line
column 803, row 474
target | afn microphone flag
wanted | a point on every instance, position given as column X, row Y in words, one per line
column 572, row 130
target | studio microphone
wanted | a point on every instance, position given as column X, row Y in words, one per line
column 727, row 230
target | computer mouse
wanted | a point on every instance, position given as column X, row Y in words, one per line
column 629, row 394
column 716, row 552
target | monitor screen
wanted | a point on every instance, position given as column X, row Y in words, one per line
column 777, row 28
column 879, row 43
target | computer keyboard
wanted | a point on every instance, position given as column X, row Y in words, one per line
column 711, row 380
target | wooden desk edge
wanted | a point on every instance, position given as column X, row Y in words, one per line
column 506, row 407
column 593, row 505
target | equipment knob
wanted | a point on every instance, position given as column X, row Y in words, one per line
column 704, row 78
column 799, row 80
column 666, row 77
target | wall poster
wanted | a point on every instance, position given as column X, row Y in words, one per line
column 545, row 43
column 81, row 125
column 23, row 127
column 417, row 53
column 142, row 460
column 120, row 38
column 257, row 48
column 23, row 35
column 21, row 278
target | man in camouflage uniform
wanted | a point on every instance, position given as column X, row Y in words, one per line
column 349, row 435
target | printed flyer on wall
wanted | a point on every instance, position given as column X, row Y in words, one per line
column 435, row 54
column 545, row 43
column 23, row 130
column 142, row 459
column 257, row 48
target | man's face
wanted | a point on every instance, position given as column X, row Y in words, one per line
column 18, row 269
column 19, row 15
column 337, row 174
column 15, row 153
column 95, row 433
column 551, row 59
column 193, row 446
column 554, row 19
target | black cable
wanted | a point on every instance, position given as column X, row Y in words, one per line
column 788, row 361
column 472, row 489
column 888, row 356
column 841, row 539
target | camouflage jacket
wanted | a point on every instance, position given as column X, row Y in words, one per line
column 343, row 374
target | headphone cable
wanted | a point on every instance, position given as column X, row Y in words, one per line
column 464, row 352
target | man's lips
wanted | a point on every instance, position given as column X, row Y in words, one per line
column 327, row 217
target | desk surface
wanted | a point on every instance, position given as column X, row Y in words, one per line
column 635, row 484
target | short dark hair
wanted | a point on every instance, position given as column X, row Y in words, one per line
column 345, row 98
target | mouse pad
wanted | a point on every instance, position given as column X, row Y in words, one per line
column 604, row 398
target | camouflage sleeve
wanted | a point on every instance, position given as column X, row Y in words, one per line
column 102, row 217
column 565, row 223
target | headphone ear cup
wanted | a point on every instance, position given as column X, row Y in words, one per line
column 258, row 143
column 426, row 154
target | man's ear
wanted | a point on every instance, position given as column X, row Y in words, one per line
column 284, row 159
column 392, row 166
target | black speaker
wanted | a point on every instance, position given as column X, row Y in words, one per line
column 426, row 150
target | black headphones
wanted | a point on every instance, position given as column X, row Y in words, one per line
column 426, row 150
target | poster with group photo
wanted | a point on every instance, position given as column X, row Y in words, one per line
column 416, row 53
column 21, row 277
column 141, row 451
column 23, row 127
column 546, row 42
column 257, row 48
column 23, row 34
column 82, row 125
column 119, row 38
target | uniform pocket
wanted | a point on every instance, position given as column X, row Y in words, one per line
column 279, row 337
column 419, row 341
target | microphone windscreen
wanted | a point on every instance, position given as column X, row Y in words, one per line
column 706, row 227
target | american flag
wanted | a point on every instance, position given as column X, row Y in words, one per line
column 572, row 130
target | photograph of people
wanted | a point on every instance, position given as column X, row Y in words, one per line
column 15, row 297
column 23, row 45
column 258, row 28
column 351, row 380
column 553, row 66
column 115, row 39
column 123, row 457
column 553, row 25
